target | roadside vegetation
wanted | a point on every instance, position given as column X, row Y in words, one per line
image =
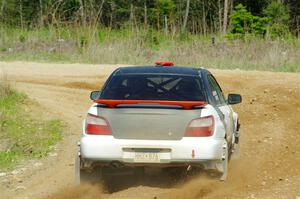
column 22, row 135
column 103, row 46
column 249, row 35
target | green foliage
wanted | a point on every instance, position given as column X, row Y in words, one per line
column 22, row 38
column 279, row 16
column 203, row 16
column 165, row 7
column 23, row 136
column 111, row 46
column 277, row 12
column 5, row 90
column 101, row 36
column 240, row 19
column 83, row 41
column 278, row 30
column 243, row 22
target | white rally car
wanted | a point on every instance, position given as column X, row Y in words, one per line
column 158, row 116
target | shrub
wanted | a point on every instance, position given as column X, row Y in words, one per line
column 279, row 16
column 244, row 22
column 5, row 89
column 277, row 12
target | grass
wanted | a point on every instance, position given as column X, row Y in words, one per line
column 22, row 136
column 144, row 46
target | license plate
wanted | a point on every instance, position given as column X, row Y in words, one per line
column 146, row 157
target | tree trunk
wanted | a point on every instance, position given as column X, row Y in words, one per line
column 83, row 19
column 145, row 14
column 225, row 16
column 231, row 10
column 187, row 10
column 21, row 13
column 211, row 27
column 193, row 26
column 220, row 15
column 110, row 20
column 157, row 21
column 99, row 13
column 166, row 25
column 41, row 14
column 297, row 26
column 203, row 19
column 2, row 8
column 131, row 16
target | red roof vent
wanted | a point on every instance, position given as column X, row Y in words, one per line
column 164, row 63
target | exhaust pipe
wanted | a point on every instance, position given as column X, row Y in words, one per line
column 116, row 164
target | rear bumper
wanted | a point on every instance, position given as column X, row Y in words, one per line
column 108, row 149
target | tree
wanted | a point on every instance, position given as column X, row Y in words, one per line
column 277, row 12
column 82, row 14
column 243, row 22
column 254, row 6
column 164, row 9
column 220, row 15
column 194, row 16
column 279, row 15
column 187, row 9
column 294, row 6
column 225, row 16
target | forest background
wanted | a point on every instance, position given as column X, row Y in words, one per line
column 243, row 34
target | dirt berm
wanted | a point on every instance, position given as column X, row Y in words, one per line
column 270, row 137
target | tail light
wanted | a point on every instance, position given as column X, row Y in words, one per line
column 200, row 127
column 96, row 125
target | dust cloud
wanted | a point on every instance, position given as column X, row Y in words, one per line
column 85, row 191
column 197, row 187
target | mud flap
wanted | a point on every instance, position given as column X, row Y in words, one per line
column 235, row 151
column 222, row 166
column 77, row 170
column 88, row 176
column 84, row 175
column 235, row 154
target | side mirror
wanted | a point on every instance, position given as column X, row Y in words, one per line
column 95, row 95
column 234, row 98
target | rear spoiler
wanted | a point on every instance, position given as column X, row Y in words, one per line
column 184, row 104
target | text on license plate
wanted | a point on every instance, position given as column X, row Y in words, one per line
column 146, row 157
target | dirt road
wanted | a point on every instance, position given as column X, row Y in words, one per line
column 270, row 142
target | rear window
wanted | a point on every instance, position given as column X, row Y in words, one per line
column 154, row 87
